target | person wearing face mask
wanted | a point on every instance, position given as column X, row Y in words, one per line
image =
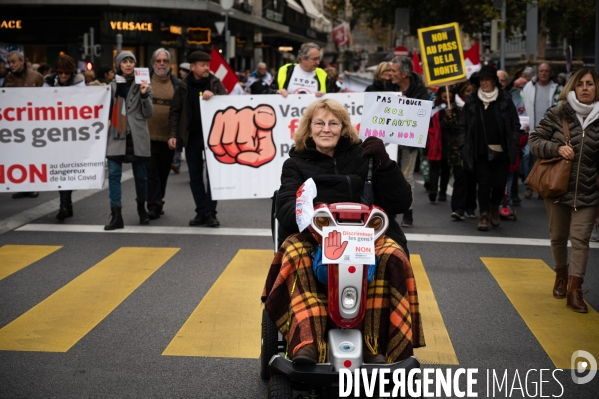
column 128, row 138
column 159, row 164
column 65, row 75
column 489, row 130
column 573, row 214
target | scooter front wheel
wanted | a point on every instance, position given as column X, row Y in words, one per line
column 279, row 387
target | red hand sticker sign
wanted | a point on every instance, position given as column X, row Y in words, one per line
column 348, row 245
column 334, row 245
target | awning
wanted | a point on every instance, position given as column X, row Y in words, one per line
column 311, row 10
column 294, row 6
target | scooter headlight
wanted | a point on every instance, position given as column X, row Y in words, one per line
column 321, row 221
column 349, row 297
column 375, row 223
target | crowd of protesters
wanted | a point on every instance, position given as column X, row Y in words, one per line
column 479, row 130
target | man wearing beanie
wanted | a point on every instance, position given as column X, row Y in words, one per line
column 159, row 164
column 185, row 124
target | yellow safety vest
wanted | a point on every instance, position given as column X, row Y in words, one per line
column 321, row 75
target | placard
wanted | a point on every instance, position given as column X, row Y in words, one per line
column 396, row 119
column 348, row 244
column 141, row 75
column 53, row 138
column 247, row 161
column 442, row 54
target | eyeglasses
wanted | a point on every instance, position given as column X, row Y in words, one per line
column 62, row 73
column 161, row 61
column 332, row 125
column 315, row 59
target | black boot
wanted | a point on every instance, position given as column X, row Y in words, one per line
column 66, row 206
column 143, row 214
column 116, row 219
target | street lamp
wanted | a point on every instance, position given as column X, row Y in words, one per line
column 226, row 5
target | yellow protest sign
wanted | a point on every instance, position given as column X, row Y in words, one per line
column 442, row 53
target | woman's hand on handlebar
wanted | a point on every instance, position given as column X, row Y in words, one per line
column 566, row 152
column 374, row 147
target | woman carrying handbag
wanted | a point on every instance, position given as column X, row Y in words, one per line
column 572, row 215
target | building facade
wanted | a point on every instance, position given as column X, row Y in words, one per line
column 261, row 30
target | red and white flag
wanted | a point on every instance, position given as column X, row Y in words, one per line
column 472, row 60
column 222, row 70
column 341, row 35
column 416, row 63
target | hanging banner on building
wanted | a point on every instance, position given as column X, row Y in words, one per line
column 395, row 119
column 248, row 138
column 442, row 54
column 53, row 138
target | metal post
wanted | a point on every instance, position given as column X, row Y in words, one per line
column 227, row 35
column 503, row 12
column 92, row 44
column 532, row 31
column 596, row 36
column 119, row 43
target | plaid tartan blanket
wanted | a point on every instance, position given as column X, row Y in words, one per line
column 297, row 302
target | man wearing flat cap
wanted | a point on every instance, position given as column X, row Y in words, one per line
column 185, row 124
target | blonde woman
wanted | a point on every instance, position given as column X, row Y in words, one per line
column 382, row 78
column 328, row 150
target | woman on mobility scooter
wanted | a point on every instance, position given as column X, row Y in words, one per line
column 328, row 150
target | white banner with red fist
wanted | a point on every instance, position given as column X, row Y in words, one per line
column 53, row 138
column 248, row 138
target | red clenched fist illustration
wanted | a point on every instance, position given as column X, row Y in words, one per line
column 333, row 246
column 243, row 136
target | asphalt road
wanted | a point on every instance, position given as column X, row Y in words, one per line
column 121, row 356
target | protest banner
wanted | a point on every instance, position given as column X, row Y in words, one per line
column 442, row 54
column 395, row 119
column 248, row 138
column 53, row 138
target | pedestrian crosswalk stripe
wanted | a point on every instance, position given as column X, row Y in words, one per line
column 15, row 257
column 62, row 319
column 560, row 331
column 438, row 349
column 227, row 322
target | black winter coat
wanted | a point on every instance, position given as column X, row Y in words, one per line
column 341, row 179
column 469, row 134
column 180, row 111
column 583, row 187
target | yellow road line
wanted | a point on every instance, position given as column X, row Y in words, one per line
column 227, row 321
column 560, row 331
column 438, row 349
column 15, row 257
column 62, row 319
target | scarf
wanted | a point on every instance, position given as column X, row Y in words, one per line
column 488, row 98
column 459, row 102
column 118, row 120
column 586, row 114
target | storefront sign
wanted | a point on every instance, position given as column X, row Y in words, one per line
column 129, row 25
column 138, row 28
column 198, row 35
column 11, row 24
column 442, row 53
column 273, row 16
column 176, row 30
